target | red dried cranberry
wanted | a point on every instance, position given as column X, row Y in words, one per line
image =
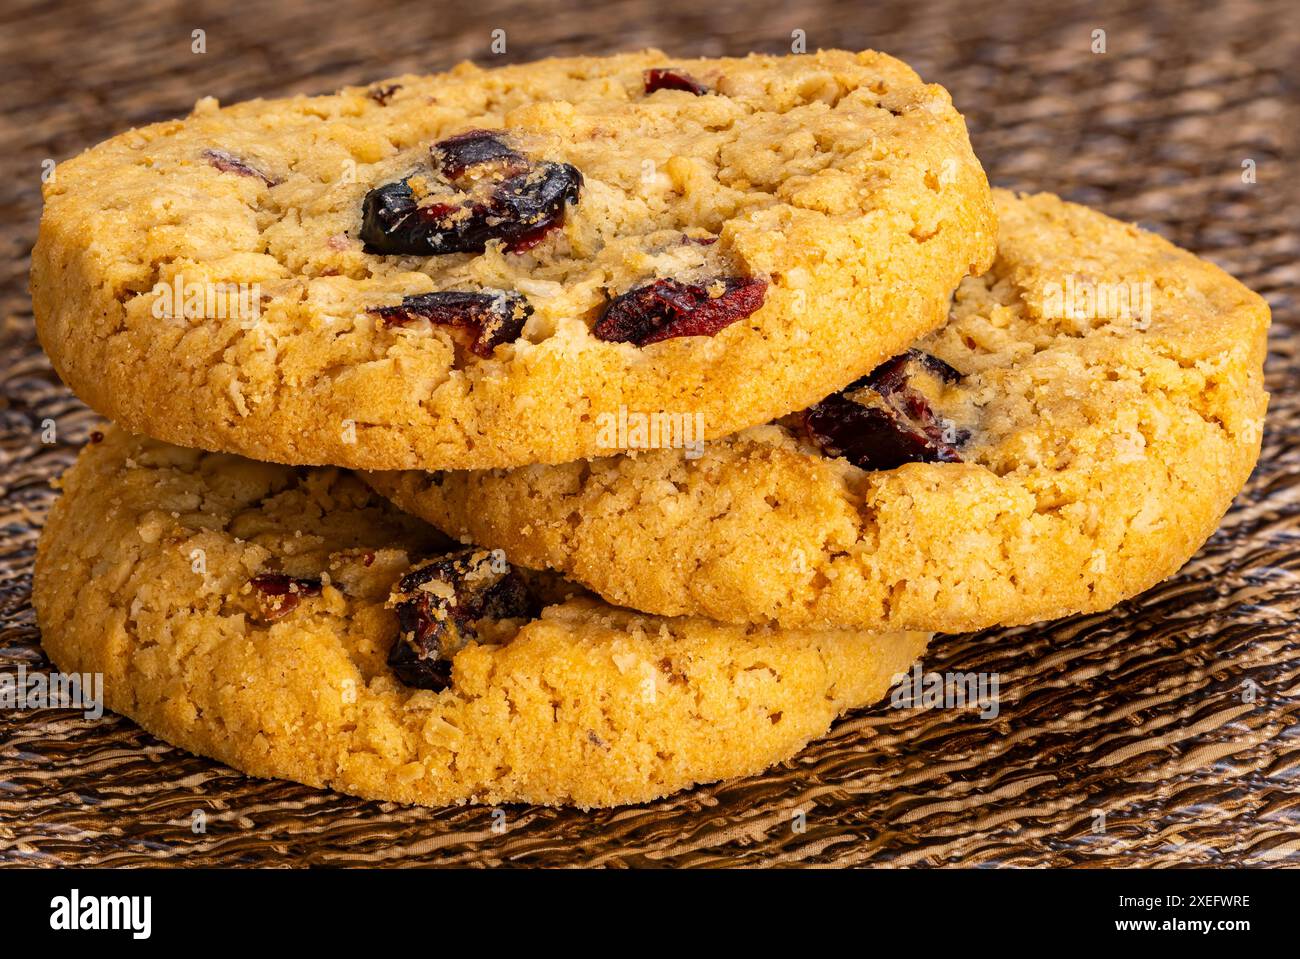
column 282, row 584
column 515, row 201
column 526, row 241
column 282, row 592
column 433, row 625
column 229, row 163
column 898, row 427
column 494, row 317
column 666, row 78
column 669, row 308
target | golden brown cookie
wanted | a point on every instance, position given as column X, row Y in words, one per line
column 485, row 267
column 293, row 624
column 1068, row 439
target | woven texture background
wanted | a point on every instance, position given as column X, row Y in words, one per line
column 1138, row 713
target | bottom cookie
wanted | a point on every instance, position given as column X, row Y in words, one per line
column 289, row 622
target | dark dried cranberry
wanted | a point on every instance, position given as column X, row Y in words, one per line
column 669, row 308
column 281, row 593
column 666, row 78
column 456, row 155
column 494, row 317
column 890, row 426
column 519, row 212
column 411, row 669
column 382, row 94
column 895, row 374
column 525, row 206
column 435, row 623
column 229, row 163
column 514, row 200
column 391, row 221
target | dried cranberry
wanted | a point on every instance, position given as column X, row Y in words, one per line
column 229, row 163
column 511, row 199
column 529, row 239
column 281, row 593
column 890, row 426
column 382, row 94
column 434, row 624
column 669, row 308
column 666, row 78
column 457, row 155
column 391, row 221
column 494, row 317
column 525, row 206
column 894, row 374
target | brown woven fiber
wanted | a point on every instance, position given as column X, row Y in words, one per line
column 1164, row 732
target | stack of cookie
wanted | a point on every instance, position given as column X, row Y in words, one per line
column 577, row 431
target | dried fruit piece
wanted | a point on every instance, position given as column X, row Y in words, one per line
column 439, row 603
column 882, row 421
column 483, row 190
column 279, row 593
column 391, row 221
column 529, row 239
column 229, row 163
column 896, row 374
column 666, row 78
column 669, row 308
column 382, row 94
column 525, row 206
column 495, row 317
column 455, row 156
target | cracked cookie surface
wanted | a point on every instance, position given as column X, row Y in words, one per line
column 168, row 570
column 1105, row 403
column 221, row 281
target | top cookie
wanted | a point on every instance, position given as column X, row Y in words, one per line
column 1069, row 438
column 484, row 268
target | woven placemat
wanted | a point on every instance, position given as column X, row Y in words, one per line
column 1166, row 731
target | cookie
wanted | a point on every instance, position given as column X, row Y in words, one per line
column 293, row 624
column 1070, row 437
column 485, row 268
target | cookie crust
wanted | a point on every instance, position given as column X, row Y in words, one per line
column 1104, row 451
column 143, row 572
column 839, row 179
